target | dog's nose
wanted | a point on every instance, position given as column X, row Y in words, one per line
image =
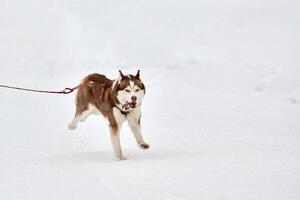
column 133, row 98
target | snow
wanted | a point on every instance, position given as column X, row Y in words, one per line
column 221, row 111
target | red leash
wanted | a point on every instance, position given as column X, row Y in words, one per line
column 65, row 91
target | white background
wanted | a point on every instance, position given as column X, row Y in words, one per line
column 221, row 112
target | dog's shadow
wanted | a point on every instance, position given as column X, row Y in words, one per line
column 82, row 157
column 107, row 156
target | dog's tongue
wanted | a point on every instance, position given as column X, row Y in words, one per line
column 132, row 104
column 127, row 105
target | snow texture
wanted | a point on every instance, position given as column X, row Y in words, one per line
column 221, row 111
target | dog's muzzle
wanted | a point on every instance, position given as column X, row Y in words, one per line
column 128, row 105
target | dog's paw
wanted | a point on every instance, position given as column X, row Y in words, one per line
column 72, row 126
column 120, row 158
column 144, row 146
column 83, row 119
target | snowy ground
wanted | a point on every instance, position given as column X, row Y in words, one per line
column 221, row 112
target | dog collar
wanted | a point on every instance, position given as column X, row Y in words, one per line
column 124, row 113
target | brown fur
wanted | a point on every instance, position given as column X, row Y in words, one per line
column 97, row 90
column 102, row 93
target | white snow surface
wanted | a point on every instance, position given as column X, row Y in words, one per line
column 221, row 111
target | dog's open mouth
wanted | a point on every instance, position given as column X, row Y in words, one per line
column 128, row 105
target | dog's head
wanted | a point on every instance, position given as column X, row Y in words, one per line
column 130, row 90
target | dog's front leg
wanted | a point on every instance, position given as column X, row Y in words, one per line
column 115, row 123
column 115, row 139
column 134, row 120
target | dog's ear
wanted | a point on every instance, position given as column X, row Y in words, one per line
column 137, row 74
column 121, row 74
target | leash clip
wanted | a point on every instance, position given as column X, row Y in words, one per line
column 67, row 90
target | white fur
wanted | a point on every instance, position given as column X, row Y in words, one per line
column 131, row 83
column 81, row 118
column 133, row 120
column 115, row 140
column 133, row 117
column 124, row 96
column 115, row 137
column 120, row 118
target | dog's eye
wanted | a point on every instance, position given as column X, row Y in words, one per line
column 127, row 90
column 137, row 90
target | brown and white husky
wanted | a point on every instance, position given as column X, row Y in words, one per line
column 117, row 100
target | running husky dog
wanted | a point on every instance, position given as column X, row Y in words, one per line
column 117, row 100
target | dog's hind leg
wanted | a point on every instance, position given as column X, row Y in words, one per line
column 73, row 123
column 82, row 107
column 81, row 115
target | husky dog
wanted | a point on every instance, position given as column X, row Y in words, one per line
column 117, row 100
